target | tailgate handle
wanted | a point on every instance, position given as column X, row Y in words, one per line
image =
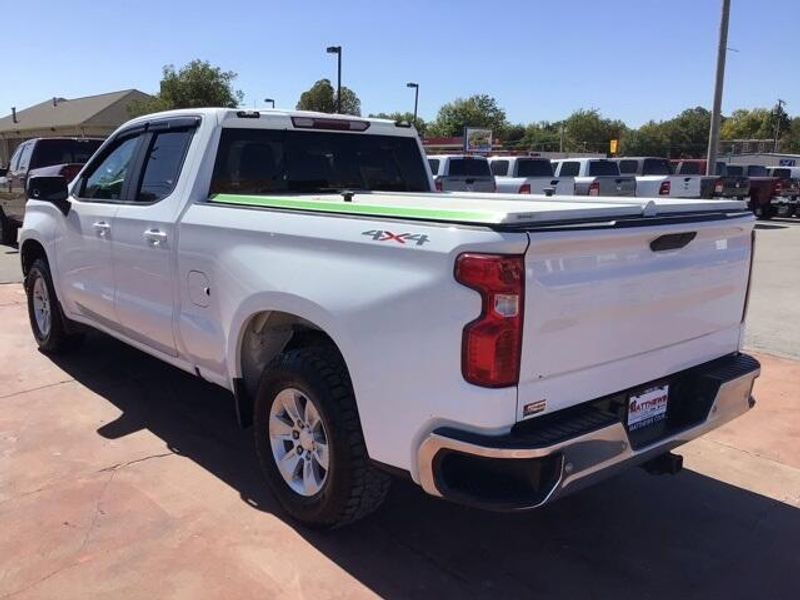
column 672, row 241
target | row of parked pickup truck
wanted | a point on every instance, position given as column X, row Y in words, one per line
column 769, row 191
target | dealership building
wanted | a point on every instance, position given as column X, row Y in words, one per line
column 90, row 116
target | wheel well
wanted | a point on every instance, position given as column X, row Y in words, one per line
column 266, row 335
column 30, row 251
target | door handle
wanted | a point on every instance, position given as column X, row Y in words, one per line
column 155, row 237
column 102, row 228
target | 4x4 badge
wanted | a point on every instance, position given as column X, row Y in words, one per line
column 380, row 235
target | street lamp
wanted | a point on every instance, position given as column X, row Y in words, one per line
column 411, row 84
column 270, row 100
column 337, row 50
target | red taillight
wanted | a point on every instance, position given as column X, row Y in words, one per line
column 438, row 183
column 525, row 188
column 664, row 188
column 492, row 344
column 594, row 189
column 778, row 188
column 718, row 187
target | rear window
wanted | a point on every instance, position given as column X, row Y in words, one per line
column 688, row 168
column 57, row 152
column 628, row 167
column 469, row 167
column 499, row 167
column 434, row 165
column 258, row 161
column 603, row 167
column 569, row 168
column 782, row 173
column 656, row 166
column 757, row 171
column 734, row 170
column 534, row 168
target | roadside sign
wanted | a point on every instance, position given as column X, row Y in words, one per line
column 613, row 145
column 787, row 162
column 477, row 140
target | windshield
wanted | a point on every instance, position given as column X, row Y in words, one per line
column 58, row 152
column 688, row 168
column 656, row 166
column 469, row 167
column 757, row 171
column 534, row 168
column 259, row 161
column 603, row 167
column 782, row 173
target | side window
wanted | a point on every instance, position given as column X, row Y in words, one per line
column 163, row 165
column 12, row 164
column 500, row 168
column 107, row 179
column 25, row 157
column 569, row 169
column 434, row 164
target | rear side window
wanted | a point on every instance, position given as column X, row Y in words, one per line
column 434, row 165
column 258, row 161
column 654, row 166
column 534, row 168
column 628, row 167
column 603, row 167
column 756, row 171
column 163, row 164
column 57, row 152
column 569, row 168
column 733, row 170
column 688, row 168
column 469, row 167
column 499, row 167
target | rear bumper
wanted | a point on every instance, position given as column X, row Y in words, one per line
column 533, row 466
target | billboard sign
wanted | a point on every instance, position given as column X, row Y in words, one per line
column 477, row 140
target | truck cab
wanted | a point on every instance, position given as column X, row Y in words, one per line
column 594, row 177
column 461, row 173
column 527, row 175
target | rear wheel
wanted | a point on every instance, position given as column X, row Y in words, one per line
column 309, row 440
column 44, row 312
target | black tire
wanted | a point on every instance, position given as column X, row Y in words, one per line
column 56, row 338
column 353, row 487
column 8, row 230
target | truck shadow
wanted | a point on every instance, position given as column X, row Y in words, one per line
column 688, row 536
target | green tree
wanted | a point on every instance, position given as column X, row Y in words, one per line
column 480, row 110
column 542, row 136
column 790, row 141
column 748, row 124
column 651, row 139
column 588, row 131
column 321, row 97
column 406, row 117
column 197, row 84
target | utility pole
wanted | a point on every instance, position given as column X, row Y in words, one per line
column 778, row 109
column 713, row 135
column 337, row 50
column 561, row 140
column 411, row 84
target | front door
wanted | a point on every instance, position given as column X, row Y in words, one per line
column 145, row 237
column 86, row 274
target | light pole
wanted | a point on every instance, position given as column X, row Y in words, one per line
column 411, row 84
column 713, row 135
column 270, row 100
column 337, row 50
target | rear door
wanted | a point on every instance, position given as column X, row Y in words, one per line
column 144, row 236
column 608, row 309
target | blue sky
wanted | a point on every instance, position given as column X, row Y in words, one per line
column 631, row 59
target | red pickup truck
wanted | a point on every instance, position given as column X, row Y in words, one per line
column 763, row 188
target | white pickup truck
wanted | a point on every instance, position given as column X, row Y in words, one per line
column 594, row 177
column 499, row 352
column 527, row 175
column 654, row 177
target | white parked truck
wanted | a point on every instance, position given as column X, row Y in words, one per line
column 461, row 173
column 654, row 177
column 594, row 177
column 500, row 353
column 527, row 175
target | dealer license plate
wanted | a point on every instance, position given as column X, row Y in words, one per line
column 647, row 407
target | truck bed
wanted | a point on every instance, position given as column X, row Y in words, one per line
column 478, row 208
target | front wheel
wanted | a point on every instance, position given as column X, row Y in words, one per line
column 309, row 440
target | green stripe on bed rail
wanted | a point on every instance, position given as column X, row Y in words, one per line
column 357, row 208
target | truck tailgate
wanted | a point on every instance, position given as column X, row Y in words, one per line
column 610, row 309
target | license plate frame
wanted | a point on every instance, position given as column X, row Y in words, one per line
column 647, row 407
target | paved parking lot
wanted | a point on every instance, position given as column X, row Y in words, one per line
column 123, row 477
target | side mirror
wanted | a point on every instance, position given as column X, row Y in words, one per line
column 50, row 189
